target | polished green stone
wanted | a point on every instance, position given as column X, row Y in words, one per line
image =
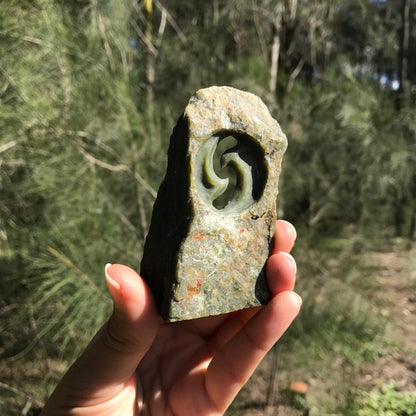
column 213, row 219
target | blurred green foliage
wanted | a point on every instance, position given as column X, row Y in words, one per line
column 90, row 91
column 387, row 402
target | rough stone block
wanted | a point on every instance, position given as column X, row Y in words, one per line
column 213, row 219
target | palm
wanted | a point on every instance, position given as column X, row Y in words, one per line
column 184, row 350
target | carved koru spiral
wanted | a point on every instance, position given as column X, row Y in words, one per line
column 230, row 172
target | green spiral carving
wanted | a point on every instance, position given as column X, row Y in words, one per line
column 230, row 172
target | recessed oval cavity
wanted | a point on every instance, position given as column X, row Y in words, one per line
column 230, row 172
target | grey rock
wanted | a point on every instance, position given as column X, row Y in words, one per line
column 214, row 216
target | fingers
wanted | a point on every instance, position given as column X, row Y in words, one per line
column 281, row 272
column 110, row 360
column 284, row 237
column 235, row 362
column 281, row 266
column 252, row 335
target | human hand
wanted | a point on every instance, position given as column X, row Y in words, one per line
column 139, row 365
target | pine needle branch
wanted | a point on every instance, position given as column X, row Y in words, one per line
column 71, row 265
column 24, row 97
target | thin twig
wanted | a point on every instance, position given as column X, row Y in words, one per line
column 274, row 65
column 126, row 222
column 118, row 168
column 172, row 22
column 78, row 133
column 31, row 39
column 140, row 179
column 8, row 146
column 295, row 74
column 142, row 36
column 123, row 218
column 101, row 30
column 142, row 212
column 27, row 407
column 5, row 87
column 162, row 27
column 94, row 161
column 11, row 389
column 19, row 393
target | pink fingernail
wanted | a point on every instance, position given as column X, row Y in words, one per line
column 292, row 260
column 110, row 280
column 299, row 298
column 291, row 226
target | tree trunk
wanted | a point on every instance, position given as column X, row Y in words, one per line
column 403, row 51
column 150, row 67
column 274, row 64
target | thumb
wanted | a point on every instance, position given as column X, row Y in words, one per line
column 109, row 362
column 135, row 320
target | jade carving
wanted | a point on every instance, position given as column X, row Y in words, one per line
column 213, row 219
column 229, row 172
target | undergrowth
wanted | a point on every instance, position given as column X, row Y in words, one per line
column 386, row 402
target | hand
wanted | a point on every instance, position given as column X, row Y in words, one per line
column 138, row 365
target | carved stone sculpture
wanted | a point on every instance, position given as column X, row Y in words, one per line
column 213, row 219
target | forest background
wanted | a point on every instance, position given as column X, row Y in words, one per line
column 89, row 93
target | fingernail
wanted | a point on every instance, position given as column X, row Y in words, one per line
column 292, row 260
column 299, row 298
column 292, row 228
column 109, row 279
